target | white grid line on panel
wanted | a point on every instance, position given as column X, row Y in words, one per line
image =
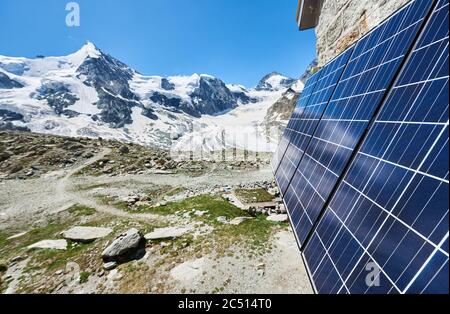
column 359, row 106
column 358, row 261
column 396, row 218
column 405, row 167
column 399, row 198
column 365, row 251
column 419, row 167
column 437, row 249
column 372, row 68
column 332, row 262
column 384, row 41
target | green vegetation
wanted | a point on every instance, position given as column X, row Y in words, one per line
column 255, row 232
column 55, row 259
column 84, row 276
column 253, row 195
column 81, row 210
column 50, row 231
column 3, row 240
column 214, row 205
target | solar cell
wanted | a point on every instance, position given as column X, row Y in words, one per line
column 300, row 132
column 391, row 208
column 295, row 120
column 371, row 70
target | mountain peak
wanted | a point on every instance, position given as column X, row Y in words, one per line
column 88, row 50
column 273, row 73
column 275, row 81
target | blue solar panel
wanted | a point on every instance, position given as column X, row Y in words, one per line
column 295, row 120
column 371, row 70
column 391, row 208
column 300, row 133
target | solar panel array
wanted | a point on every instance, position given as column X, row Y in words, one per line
column 294, row 121
column 301, row 132
column 368, row 199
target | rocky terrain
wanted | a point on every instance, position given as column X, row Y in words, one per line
column 80, row 215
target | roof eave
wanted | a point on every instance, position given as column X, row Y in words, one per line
column 308, row 13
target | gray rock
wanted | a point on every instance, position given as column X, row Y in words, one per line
column 200, row 213
column 126, row 247
column 238, row 220
column 86, row 234
column 50, row 244
column 124, row 150
column 261, row 266
column 18, row 235
column 278, row 218
column 189, row 271
column 17, row 259
column 131, row 199
column 260, row 272
column 166, row 233
column 109, row 266
column 222, row 219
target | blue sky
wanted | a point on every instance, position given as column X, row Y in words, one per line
column 238, row 41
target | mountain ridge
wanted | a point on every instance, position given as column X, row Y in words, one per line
column 90, row 93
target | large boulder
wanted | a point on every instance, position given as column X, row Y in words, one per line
column 86, row 234
column 166, row 233
column 128, row 246
column 278, row 218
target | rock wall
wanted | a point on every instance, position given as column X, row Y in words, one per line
column 342, row 22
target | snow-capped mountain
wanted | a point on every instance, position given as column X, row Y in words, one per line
column 90, row 93
column 275, row 82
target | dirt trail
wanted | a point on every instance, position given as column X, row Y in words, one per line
column 66, row 187
column 34, row 200
column 23, row 201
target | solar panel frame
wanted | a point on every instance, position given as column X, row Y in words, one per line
column 370, row 58
column 420, row 246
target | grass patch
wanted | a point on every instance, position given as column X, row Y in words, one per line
column 215, row 206
column 3, row 239
column 253, row 195
column 256, row 232
column 84, row 276
column 55, row 259
column 121, row 205
column 81, row 210
column 51, row 231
